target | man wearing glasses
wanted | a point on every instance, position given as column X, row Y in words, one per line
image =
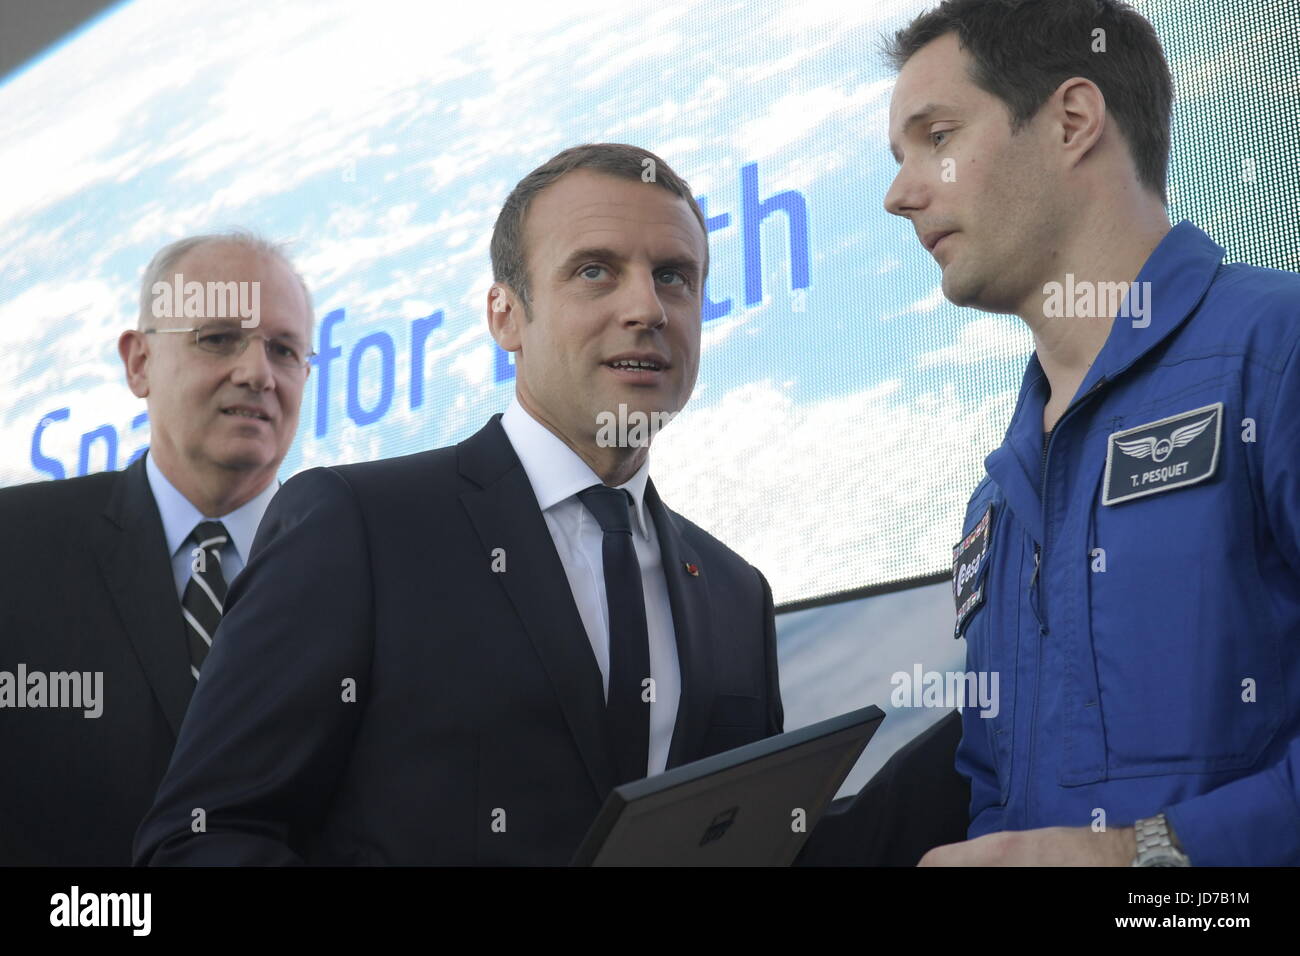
column 125, row 574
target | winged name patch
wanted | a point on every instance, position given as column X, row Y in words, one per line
column 1159, row 456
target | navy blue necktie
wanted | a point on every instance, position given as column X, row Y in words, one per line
column 627, row 711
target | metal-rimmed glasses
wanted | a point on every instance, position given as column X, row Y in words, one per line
column 228, row 341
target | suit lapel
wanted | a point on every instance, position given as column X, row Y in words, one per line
column 506, row 515
column 688, row 596
column 132, row 552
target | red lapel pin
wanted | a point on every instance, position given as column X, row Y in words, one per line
column 692, row 569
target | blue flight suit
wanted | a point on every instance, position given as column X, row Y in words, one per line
column 1138, row 588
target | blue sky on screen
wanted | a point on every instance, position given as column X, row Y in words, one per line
column 836, row 429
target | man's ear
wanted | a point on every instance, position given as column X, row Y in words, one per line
column 1080, row 108
column 134, row 349
column 505, row 316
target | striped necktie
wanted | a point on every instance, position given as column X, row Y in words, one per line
column 205, row 595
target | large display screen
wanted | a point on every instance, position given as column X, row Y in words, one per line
column 843, row 409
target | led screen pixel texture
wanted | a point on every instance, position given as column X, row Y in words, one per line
column 843, row 409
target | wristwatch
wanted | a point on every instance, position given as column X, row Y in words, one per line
column 1157, row 845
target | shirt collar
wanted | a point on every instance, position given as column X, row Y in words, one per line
column 179, row 516
column 555, row 470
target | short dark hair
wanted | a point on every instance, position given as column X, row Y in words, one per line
column 1024, row 49
column 509, row 264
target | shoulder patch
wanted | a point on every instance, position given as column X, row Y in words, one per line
column 967, row 561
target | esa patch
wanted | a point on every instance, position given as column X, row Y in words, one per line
column 1160, row 456
column 967, row 561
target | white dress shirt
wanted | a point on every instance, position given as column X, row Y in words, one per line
column 557, row 474
column 179, row 517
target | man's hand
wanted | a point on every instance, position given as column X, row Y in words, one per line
column 1050, row 846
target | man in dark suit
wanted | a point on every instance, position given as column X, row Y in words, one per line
column 112, row 593
column 452, row 657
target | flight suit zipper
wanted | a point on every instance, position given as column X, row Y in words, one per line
column 1036, row 596
column 1042, row 473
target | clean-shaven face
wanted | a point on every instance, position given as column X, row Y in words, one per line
column 616, row 274
column 229, row 412
column 981, row 200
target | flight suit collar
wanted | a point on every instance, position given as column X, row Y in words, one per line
column 1016, row 465
column 1180, row 270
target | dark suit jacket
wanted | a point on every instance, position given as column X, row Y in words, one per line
column 86, row 585
column 476, row 731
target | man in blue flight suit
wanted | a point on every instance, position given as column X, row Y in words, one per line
column 1130, row 566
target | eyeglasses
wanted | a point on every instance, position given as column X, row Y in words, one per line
column 226, row 341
